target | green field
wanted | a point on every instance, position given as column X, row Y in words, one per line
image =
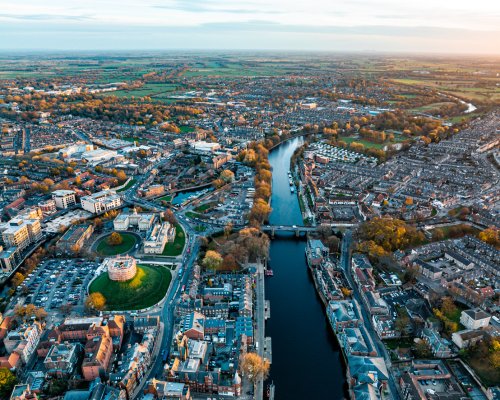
column 127, row 186
column 154, row 90
column 104, row 249
column 432, row 107
column 175, row 248
column 147, row 288
column 371, row 145
column 186, row 129
column 166, row 198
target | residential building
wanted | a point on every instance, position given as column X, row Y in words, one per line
column 101, row 201
column 23, row 340
column 9, row 260
column 474, row 318
column 21, row 233
column 467, row 338
column 61, row 359
column 440, row 347
column 343, row 314
column 48, row 206
column 64, row 198
column 98, row 353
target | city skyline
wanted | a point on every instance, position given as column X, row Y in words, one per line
column 381, row 26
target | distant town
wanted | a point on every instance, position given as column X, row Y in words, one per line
column 215, row 226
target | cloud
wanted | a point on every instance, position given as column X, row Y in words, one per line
column 45, row 17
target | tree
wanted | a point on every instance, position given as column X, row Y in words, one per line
column 228, row 228
column 121, row 176
column 227, row 176
column 7, row 382
column 411, row 274
column 490, row 236
column 260, row 211
column 40, row 313
column 402, row 320
column 169, row 216
column 17, row 279
column 254, row 367
column 422, row 349
column 95, row 301
column 448, row 307
column 229, row 263
column 115, row 239
column 212, row 260
column 333, row 243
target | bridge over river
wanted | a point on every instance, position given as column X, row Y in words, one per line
column 298, row 229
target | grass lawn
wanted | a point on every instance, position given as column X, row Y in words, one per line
column 175, row 248
column 104, row 249
column 186, row 129
column 204, row 207
column 166, row 198
column 399, row 342
column 193, row 215
column 366, row 143
column 127, row 186
column 147, row 288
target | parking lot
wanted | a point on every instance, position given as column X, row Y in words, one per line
column 222, row 208
column 467, row 382
column 58, row 282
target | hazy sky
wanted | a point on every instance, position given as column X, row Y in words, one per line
column 460, row 26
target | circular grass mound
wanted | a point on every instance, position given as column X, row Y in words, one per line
column 127, row 244
column 146, row 288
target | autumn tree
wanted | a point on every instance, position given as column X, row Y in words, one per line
column 228, row 228
column 170, row 217
column 227, row 176
column 260, row 211
column 17, row 279
column 121, row 176
column 212, row 260
column 95, row 301
column 491, row 236
column 115, row 239
column 254, row 367
column 7, row 382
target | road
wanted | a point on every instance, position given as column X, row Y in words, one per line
column 187, row 261
column 345, row 261
column 260, row 326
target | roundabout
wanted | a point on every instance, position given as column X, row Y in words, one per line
column 145, row 289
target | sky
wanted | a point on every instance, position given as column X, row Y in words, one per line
column 428, row 26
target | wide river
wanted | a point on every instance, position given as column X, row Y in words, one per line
column 306, row 358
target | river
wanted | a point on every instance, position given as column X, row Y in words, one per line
column 306, row 357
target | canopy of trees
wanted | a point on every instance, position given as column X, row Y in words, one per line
column 390, row 234
column 7, row 382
